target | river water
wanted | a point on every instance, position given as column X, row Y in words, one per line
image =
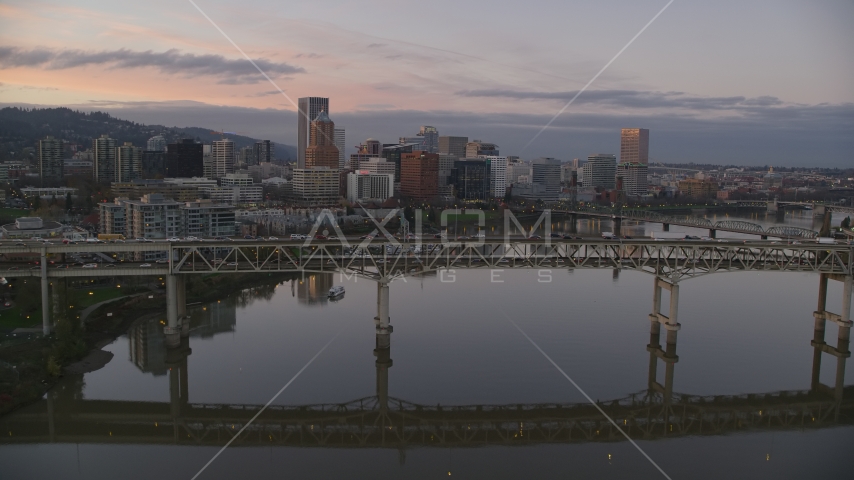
column 455, row 343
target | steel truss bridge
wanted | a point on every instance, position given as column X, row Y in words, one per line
column 735, row 226
column 383, row 258
column 377, row 422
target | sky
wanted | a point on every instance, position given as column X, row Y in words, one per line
column 761, row 82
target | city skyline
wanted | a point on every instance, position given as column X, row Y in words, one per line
column 758, row 95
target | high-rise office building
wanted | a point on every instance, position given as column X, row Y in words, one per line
column 222, row 158
column 634, row 145
column 156, row 144
column 477, row 148
column 419, row 175
column 446, row 167
column 128, row 162
column 455, row 146
column 184, row 159
column 50, row 160
column 104, row 159
column 309, row 109
column 545, row 178
column 431, row 138
column 635, row 177
column 262, row 152
column 321, row 151
column 341, row 144
column 153, row 164
column 497, row 176
column 470, row 178
column 316, row 186
column 600, row 171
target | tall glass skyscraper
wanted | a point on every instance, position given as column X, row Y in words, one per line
column 634, row 145
column 309, row 109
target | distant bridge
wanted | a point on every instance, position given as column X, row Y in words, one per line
column 735, row 226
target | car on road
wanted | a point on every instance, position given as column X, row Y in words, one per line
column 14, row 268
column 462, row 237
column 109, row 265
column 21, row 244
column 248, row 237
column 272, row 238
column 62, row 266
column 320, row 237
column 366, row 237
column 535, row 237
column 192, row 239
column 231, row 264
column 90, row 265
column 35, row 268
column 162, row 261
column 145, row 265
column 173, row 239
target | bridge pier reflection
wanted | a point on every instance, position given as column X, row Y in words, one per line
column 843, row 321
column 667, row 354
column 177, row 325
column 179, row 394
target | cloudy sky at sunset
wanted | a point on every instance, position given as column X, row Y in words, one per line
column 746, row 82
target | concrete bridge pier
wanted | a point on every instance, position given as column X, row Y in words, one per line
column 45, row 286
column 383, row 346
column 665, row 227
column 713, row 233
column 618, row 226
column 843, row 321
column 172, row 330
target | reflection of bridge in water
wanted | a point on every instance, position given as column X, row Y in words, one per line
column 384, row 421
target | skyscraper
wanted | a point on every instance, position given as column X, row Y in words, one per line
column 600, row 171
column 184, row 159
column 635, row 177
column 545, row 172
column 419, row 175
column 431, row 138
column 222, row 158
column 263, row 152
column 50, row 160
column 341, row 143
column 104, row 159
column 497, row 176
column 321, row 151
column 309, row 109
column 634, row 145
column 455, row 146
column 128, row 162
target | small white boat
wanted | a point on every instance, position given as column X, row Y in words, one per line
column 336, row 291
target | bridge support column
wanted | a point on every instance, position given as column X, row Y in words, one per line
column 713, row 233
column 382, row 352
column 665, row 227
column 45, row 293
column 573, row 224
column 841, row 351
column 618, row 226
column 763, row 237
column 181, row 298
column 172, row 329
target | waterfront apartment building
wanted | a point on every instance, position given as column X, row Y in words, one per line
column 600, row 171
column 184, row 159
column 364, row 186
column 635, row 177
column 309, row 109
column 104, row 159
column 456, row 146
column 153, row 216
column 419, row 175
column 128, row 162
column 205, row 219
column 315, row 186
column 634, row 145
column 50, row 160
column 322, row 152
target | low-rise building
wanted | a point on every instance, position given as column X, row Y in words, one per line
column 364, row 186
column 48, row 193
column 315, row 186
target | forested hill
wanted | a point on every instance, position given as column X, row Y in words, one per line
column 22, row 128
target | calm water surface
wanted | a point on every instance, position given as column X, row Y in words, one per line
column 453, row 344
